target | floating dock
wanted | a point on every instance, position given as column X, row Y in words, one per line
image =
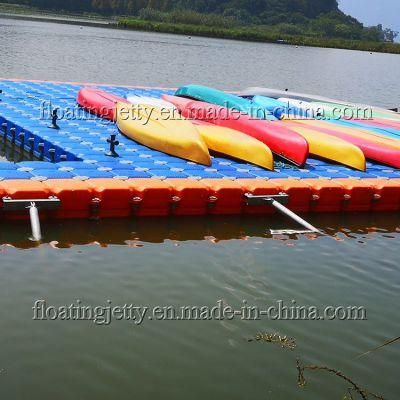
column 72, row 166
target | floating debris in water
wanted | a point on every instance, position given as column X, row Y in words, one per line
column 379, row 347
column 284, row 341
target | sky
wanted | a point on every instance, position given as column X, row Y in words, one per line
column 373, row 12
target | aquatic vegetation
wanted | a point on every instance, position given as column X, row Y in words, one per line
column 257, row 33
column 290, row 343
column 283, row 341
column 354, row 388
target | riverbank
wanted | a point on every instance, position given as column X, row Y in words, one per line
column 192, row 261
column 250, row 33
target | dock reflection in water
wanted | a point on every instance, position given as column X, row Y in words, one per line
column 64, row 234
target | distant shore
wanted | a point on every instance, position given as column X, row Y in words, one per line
column 63, row 19
column 251, row 33
column 256, row 34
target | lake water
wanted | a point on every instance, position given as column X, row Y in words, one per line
column 196, row 261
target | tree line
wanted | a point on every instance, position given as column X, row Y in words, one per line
column 308, row 8
column 284, row 17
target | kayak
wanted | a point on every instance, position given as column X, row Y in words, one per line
column 332, row 148
column 151, row 101
column 277, row 108
column 276, row 94
column 384, row 152
column 282, row 141
column 305, row 110
column 99, row 102
column 148, row 126
column 223, row 99
column 235, row 144
column 222, row 140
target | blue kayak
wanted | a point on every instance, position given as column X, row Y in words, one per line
column 279, row 108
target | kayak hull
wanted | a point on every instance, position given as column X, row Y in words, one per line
column 151, row 101
column 99, row 102
column 236, row 144
column 331, row 148
column 176, row 137
column 276, row 94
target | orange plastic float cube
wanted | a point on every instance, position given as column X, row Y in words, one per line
column 21, row 189
column 189, row 197
column 259, row 187
column 358, row 194
column 150, row 197
column 2, row 194
column 225, row 196
column 327, row 195
column 111, row 196
column 75, row 197
column 386, row 194
column 300, row 194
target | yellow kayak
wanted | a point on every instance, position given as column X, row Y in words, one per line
column 330, row 147
column 150, row 126
column 236, row 144
column 357, row 132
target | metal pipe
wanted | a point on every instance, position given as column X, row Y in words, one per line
column 35, row 222
column 284, row 210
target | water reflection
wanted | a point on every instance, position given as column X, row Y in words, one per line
column 64, row 234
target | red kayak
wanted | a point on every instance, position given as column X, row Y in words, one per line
column 282, row 141
column 373, row 150
column 99, row 102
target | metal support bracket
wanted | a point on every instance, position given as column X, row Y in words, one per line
column 252, row 200
column 9, row 204
column 33, row 205
column 278, row 202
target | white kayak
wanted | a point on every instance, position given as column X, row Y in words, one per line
column 150, row 101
